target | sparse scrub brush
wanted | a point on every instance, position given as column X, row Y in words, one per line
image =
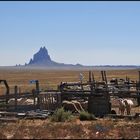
column 61, row 115
column 86, row 116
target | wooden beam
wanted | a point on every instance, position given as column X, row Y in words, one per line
column 16, row 88
column 89, row 76
column 122, row 116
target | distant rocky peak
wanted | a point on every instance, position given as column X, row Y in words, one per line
column 41, row 56
column 43, row 50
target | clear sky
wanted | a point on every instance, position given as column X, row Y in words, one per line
column 89, row 33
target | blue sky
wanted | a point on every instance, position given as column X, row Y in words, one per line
column 89, row 33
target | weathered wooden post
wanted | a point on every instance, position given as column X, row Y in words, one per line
column 61, row 92
column 7, row 91
column 16, row 89
column 93, row 79
column 102, row 75
column 59, row 100
column 127, row 82
column 81, row 80
column 139, row 76
column 34, row 96
column 37, row 92
column 138, row 99
column 89, row 76
column 105, row 78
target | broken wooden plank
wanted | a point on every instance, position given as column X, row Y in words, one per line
column 5, row 119
column 4, row 113
column 122, row 116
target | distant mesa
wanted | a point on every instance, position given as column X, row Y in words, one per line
column 42, row 58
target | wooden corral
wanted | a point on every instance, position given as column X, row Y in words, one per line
column 50, row 101
column 96, row 93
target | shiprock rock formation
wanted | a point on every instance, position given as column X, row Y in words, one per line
column 42, row 58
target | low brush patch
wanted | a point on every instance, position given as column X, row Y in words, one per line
column 86, row 116
column 61, row 115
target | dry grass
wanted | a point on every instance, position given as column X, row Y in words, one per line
column 52, row 78
column 76, row 129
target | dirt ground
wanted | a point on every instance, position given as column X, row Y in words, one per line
column 75, row 129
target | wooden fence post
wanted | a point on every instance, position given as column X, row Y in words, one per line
column 16, row 89
column 105, row 78
column 89, row 76
column 7, row 92
column 93, row 81
column 37, row 92
column 139, row 76
column 138, row 88
column 102, row 76
column 34, row 96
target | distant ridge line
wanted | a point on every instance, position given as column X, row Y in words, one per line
column 43, row 59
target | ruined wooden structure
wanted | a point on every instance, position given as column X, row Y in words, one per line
column 97, row 93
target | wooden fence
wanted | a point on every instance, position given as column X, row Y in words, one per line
column 52, row 99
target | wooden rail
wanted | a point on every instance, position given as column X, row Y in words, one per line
column 137, row 115
column 23, row 95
